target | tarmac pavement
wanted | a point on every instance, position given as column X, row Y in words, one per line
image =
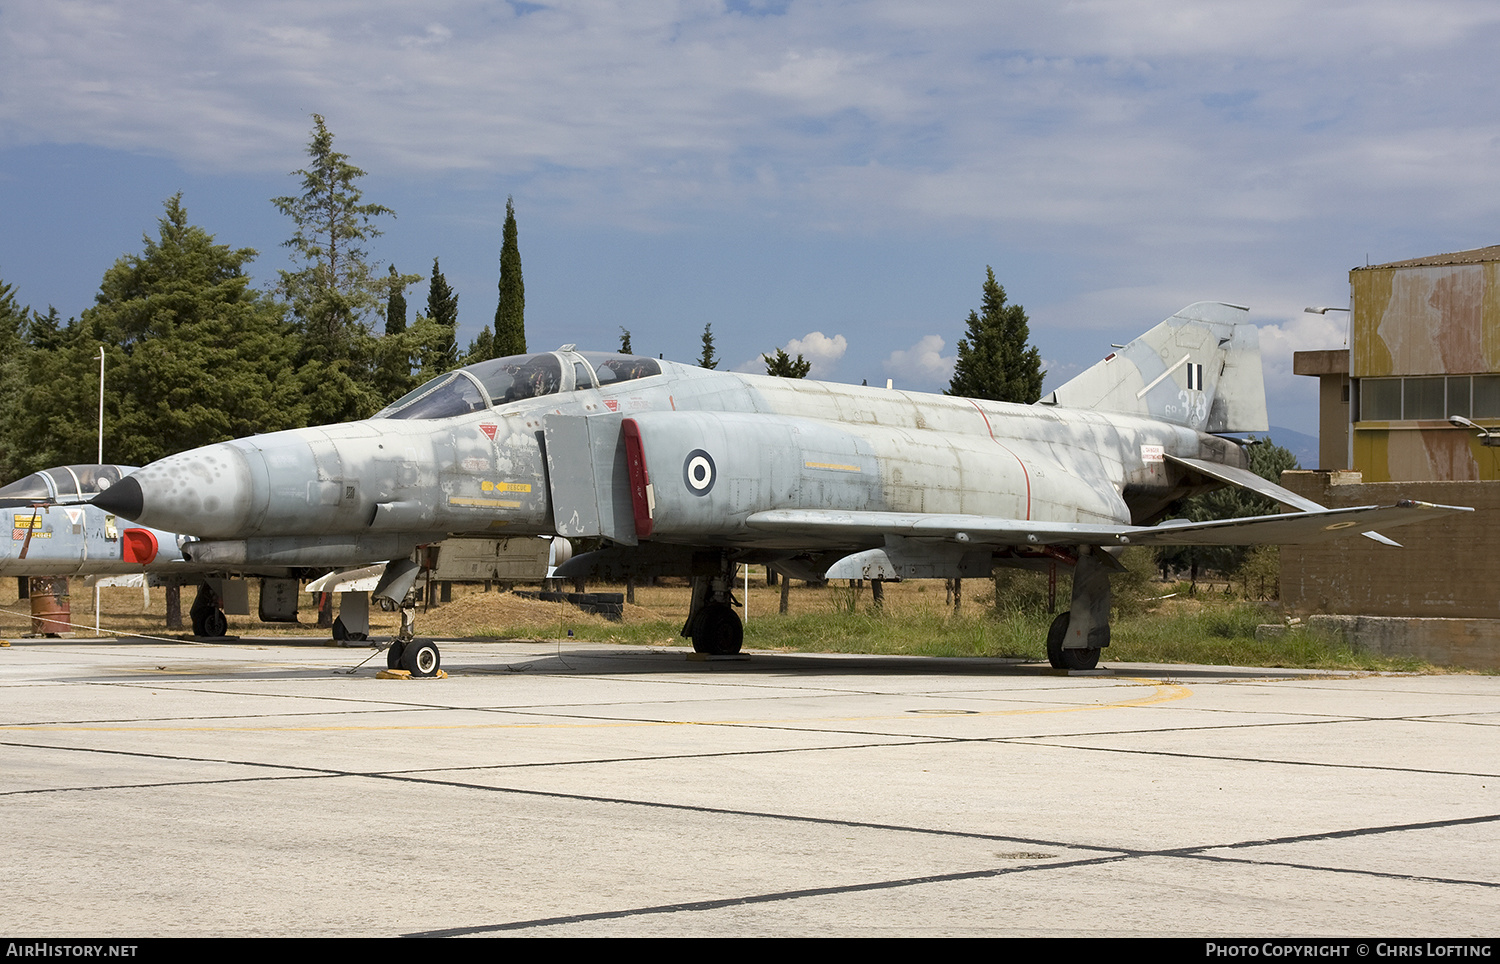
column 271, row 787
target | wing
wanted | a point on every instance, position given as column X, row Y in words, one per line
column 1320, row 525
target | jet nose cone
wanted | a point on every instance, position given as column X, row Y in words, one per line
column 124, row 499
column 206, row 492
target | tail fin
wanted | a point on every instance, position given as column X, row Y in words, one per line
column 1200, row 368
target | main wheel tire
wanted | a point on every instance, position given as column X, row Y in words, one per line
column 1055, row 635
column 215, row 623
column 393, row 654
column 1080, row 658
column 719, row 632
column 421, row 658
column 1062, row 658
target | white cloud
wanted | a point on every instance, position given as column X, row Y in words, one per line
column 822, row 351
column 815, row 347
column 923, row 366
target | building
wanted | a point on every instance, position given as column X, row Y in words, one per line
column 1403, row 414
column 1424, row 346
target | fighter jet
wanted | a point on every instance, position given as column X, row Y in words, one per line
column 55, row 532
column 679, row 470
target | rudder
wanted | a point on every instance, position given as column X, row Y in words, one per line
column 1200, row 368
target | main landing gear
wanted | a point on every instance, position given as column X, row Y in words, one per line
column 1076, row 636
column 712, row 624
column 207, row 614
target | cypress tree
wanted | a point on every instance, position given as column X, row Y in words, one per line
column 395, row 304
column 442, row 308
column 510, row 315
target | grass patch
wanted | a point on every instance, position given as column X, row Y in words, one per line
column 1205, row 632
column 916, row 620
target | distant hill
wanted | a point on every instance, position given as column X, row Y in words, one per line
column 1305, row 447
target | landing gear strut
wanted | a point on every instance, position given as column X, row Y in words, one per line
column 419, row 657
column 1076, row 636
column 712, row 624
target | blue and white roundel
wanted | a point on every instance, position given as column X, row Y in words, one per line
column 698, row 472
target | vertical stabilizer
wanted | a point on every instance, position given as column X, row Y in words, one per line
column 1200, row 368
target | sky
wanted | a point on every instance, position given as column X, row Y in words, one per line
column 832, row 178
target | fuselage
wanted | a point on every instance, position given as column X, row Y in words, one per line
column 457, row 457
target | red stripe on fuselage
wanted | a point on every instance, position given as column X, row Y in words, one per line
column 1024, row 473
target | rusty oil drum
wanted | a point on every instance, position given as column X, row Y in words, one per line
column 50, row 609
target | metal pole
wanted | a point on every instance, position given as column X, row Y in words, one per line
column 101, row 404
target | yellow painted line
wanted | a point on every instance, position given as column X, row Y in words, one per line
column 484, row 503
column 831, row 465
column 1161, row 693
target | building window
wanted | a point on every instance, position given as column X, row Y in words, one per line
column 1422, row 398
column 1380, row 400
column 1429, row 397
column 1486, row 396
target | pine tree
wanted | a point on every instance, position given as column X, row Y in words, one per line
column 482, row 348
column 510, row 315
column 625, row 348
column 783, row 365
column 708, row 359
column 335, row 290
column 442, row 308
column 995, row 360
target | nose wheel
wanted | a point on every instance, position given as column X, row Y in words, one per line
column 419, row 657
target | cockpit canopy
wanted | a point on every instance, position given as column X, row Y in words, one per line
column 515, row 378
column 63, row 483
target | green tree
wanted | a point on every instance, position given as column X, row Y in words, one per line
column 783, row 364
column 708, row 359
column 335, row 290
column 995, row 359
column 1267, row 460
column 510, row 315
column 14, row 359
column 395, row 303
column 482, row 348
column 194, row 355
column 393, row 355
column 442, row 308
column 625, row 341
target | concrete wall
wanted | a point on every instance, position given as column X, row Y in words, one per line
column 1449, row 568
column 1437, row 597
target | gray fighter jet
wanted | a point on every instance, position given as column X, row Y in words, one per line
column 685, row 471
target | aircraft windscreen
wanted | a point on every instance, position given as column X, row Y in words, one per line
column 516, row 377
column 620, row 368
column 445, row 396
